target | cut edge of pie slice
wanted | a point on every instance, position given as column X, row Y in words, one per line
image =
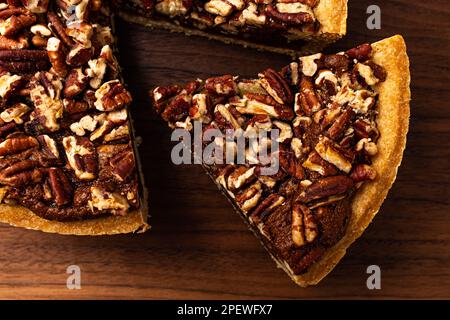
column 392, row 121
column 330, row 14
column 103, row 222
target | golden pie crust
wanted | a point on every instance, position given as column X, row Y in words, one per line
column 392, row 121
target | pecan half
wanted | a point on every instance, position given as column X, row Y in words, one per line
column 60, row 186
column 21, row 173
column 276, row 86
column 122, row 164
column 304, row 227
column 289, row 18
column 266, row 207
column 307, row 101
column 326, row 187
column 16, row 145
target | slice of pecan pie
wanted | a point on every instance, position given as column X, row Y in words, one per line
column 68, row 163
column 342, row 121
column 285, row 26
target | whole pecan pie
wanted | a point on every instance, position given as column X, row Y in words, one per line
column 68, row 162
column 341, row 123
column 284, row 26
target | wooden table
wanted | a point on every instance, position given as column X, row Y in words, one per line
column 199, row 248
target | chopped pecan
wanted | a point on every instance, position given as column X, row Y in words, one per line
column 240, row 177
column 15, row 113
column 36, row 6
column 341, row 124
column 255, row 106
column 178, row 108
column 81, row 32
column 45, row 96
column 361, row 52
column 249, row 198
column 334, row 154
column 81, row 156
column 49, row 148
column 162, row 94
column 291, row 73
column 222, row 86
column 9, row 83
column 363, row 172
column 309, row 64
column 21, row 42
column 201, row 108
column 75, row 83
column 337, row 62
column 111, row 127
column 365, row 129
column 79, row 55
column 112, row 96
column 103, row 200
column 314, row 162
column 367, row 146
column 57, row 56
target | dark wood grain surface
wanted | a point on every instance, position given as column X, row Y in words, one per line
column 198, row 247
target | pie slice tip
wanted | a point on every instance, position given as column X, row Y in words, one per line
column 393, row 122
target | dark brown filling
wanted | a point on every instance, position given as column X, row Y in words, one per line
column 326, row 112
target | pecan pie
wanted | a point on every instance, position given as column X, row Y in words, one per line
column 342, row 121
column 285, row 26
column 68, row 163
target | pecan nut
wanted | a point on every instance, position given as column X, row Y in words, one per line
column 326, row 187
column 363, row 172
column 81, row 155
column 111, row 96
column 303, row 228
column 122, row 164
column 21, row 173
column 60, row 186
column 276, row 86
column 17, row 145
column 222, row 86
